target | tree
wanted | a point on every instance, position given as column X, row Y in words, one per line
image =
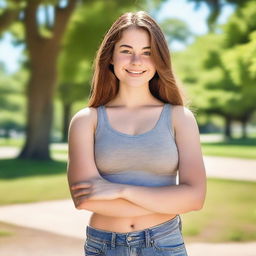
column 222, row 76
column 216, row 6
column 43, row 46
column 43, row 53
column 11, row 100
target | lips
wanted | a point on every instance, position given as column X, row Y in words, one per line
column 135, row 72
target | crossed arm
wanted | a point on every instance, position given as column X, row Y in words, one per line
column 121, row 200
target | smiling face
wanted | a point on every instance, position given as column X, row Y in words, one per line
column 132, row 61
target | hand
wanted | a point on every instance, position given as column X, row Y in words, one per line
column 96, row 189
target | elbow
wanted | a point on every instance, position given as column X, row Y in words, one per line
column 199, row 194
column 198, row 206
column 198, row 203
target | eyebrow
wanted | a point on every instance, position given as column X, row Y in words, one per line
column 128, row 46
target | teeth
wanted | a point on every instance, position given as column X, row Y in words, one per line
column 135, row 72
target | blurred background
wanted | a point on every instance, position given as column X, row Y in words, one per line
column 46, row 54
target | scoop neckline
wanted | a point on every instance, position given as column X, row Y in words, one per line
column 130, row 135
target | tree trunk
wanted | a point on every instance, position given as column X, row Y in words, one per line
column 43, row 54
column 40, row 109
column 66, row 119
column 228, row 132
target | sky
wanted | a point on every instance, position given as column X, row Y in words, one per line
column 196, row 20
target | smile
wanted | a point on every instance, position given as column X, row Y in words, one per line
column 135, row 72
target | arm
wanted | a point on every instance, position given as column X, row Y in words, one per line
column 117, row 208
column 82, row 167
column 189, row 195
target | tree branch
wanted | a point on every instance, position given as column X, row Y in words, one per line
column 30, row 21
column 62, row 16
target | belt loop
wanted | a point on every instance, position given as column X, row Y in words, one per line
column 113, row 240
column 147, row 237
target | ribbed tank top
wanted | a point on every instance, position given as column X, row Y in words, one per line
column 147, row 159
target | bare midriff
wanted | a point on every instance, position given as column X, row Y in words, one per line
column 128, row 224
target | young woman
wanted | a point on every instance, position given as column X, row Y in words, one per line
column 127, row 147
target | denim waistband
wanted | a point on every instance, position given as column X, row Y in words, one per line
column 131, row 238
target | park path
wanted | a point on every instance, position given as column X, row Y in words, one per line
column 61, row 217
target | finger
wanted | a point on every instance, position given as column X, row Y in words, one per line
column 81, row 185
column 82, row 192
column 82, row 198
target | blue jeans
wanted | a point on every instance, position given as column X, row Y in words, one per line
column 164, row 239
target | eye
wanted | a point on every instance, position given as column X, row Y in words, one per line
column 125, row 51
column 147, row 53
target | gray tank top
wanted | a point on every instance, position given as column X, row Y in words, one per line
column 147, row 159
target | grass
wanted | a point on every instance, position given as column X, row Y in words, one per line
column 23, row 181
column 19, row 168
column 229, row 213
column 240, row 148
column 4, row 233
column 11, row 142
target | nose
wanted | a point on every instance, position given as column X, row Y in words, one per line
column 136, row 60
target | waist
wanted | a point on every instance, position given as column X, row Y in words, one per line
column 138, row 236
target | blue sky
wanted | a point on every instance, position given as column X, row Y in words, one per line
column 196, row 20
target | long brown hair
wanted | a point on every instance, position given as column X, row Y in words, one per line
column 105, row 84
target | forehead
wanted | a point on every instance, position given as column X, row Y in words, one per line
column 135, row 37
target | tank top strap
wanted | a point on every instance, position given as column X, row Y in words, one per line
column 167, row 119
column 100, row 119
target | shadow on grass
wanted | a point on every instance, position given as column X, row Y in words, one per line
column 234, row 142
column 16, row 168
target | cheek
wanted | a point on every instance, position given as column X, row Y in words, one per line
column 152, row 67
column 120, row 60
column 151, row 63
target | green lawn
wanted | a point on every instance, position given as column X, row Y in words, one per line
column 28, row 181
column 11, row 142
column 241, row 148
column 229, row 213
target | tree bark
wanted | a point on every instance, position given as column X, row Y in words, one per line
column 43, row 54
column 40, row 108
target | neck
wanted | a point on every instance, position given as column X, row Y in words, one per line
column 134, row 97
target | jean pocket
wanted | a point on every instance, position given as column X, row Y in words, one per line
column 171, row 242
column 93, row 247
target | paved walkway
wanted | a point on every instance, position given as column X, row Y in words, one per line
column 60, row 217
column 230, row 168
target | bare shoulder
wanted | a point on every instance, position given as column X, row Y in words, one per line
column 81, row 164
column 182, row 117
column 84, row 119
